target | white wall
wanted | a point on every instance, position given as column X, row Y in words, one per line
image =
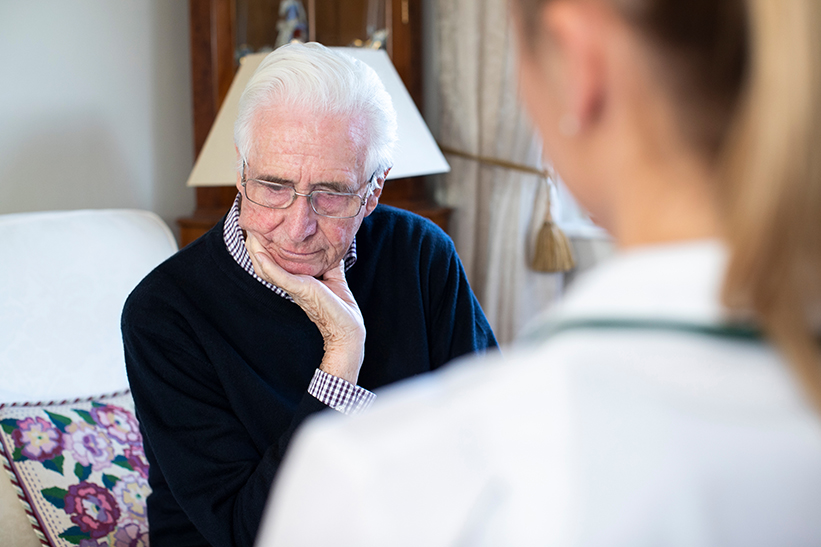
column 95, row 106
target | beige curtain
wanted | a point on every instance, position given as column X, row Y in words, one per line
column 479, row 113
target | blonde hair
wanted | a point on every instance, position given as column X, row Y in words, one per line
column 773, row 183
column 749, row 87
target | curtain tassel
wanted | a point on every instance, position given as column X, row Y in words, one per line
column 553, row 252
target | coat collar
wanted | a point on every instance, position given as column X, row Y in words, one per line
column 671, row 283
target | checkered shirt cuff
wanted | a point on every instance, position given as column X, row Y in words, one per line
column 340, row 394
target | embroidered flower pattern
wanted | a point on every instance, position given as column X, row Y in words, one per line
column 92, row 508
column 129, row 534
column 87, row 461
column 131, row 492
column 121, row 425
column 135, row 456
column 38, row 439
column 89, row 445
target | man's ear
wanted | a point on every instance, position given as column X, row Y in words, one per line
column 239, row 169
column 373, row 199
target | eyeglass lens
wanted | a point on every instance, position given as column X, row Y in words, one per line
column 279, row 196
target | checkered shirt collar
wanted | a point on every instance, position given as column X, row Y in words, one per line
column 235, row 242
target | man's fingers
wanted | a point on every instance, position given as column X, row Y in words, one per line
column 271, row 270
column 337, row 273
column 268, row 269
column 328, row 302
column 300, row 287
column 305, row 290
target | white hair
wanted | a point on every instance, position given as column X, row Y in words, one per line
column 317, row 80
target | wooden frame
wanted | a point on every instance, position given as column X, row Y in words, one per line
column 213, row 67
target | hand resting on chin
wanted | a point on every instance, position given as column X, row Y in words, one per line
column 328, row 302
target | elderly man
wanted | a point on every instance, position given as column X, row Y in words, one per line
column 227, row 345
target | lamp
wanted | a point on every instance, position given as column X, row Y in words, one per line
column 416, row 151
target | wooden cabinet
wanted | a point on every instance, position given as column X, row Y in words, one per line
column 213, row 25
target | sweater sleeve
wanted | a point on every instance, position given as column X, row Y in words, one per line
column 205, row 468
column 456, row 323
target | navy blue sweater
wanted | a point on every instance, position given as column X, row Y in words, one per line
column 219, row 365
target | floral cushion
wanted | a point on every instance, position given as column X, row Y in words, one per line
column 80, row 470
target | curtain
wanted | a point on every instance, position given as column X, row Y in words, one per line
column 494, row 208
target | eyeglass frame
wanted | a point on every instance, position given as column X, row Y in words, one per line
column 371, row 184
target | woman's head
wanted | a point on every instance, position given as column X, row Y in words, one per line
column 698, row 49
column 741, row 82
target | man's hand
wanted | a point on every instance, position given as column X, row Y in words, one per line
column 329, row 303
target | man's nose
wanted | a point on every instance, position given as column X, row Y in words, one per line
column 300, row 219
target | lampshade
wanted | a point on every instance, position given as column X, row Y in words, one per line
column 416, row 152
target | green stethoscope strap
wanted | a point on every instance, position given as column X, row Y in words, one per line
column 736, row 332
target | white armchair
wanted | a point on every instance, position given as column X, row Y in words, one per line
column 64, row 277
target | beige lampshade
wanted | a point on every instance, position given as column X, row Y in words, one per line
column 416, row 151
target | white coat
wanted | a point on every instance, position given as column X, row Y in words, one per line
column 655, row 435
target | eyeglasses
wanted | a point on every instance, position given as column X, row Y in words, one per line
column 327, row 204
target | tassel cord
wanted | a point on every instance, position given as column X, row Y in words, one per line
column 553, row 251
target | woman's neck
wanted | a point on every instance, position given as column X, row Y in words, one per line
column 666, row 199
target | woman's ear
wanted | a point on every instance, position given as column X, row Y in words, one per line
column 577, row 60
